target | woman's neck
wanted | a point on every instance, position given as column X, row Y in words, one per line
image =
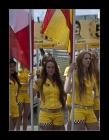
column 50, row 77
column 9, row 76
column 85, row 71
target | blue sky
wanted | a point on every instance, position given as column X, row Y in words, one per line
column 41, row 12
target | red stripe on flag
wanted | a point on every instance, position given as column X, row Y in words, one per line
column 66, row 13
column 70, row 26
column 19, row 43
column 47, row 18
column 16, row 41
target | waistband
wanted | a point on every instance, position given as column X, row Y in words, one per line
column 96, row 97
column 23, row 91
column 51, row 110
column 83, row 107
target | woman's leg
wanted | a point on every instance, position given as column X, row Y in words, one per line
column 91, row 121
column 11, row 125
column 45, row 128
column 69, row 121
column 45, row 120
column 19, row 118
column 79, row 126
column 55, row 127
column 26, row 109
column 63, row 127
column 93, row 126
column 79, row 119
column 58, row 120
column 97, row 114
column 14, row 121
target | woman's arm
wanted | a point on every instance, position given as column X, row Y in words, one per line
column 68, row 85
column 34, row 92
column 94, row 92
column 17, row 93
column 25, row 84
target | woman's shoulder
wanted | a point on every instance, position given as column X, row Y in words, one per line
column 38, row 81
column 26, row 70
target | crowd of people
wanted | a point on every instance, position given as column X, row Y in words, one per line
column 56, row 94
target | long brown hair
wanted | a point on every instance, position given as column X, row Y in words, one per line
column 15, row 74
column 80, row 73
column 56, row 78
column 95, row 68
column 45, row 57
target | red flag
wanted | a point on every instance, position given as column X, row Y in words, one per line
column 19, row 40
column 58, row 25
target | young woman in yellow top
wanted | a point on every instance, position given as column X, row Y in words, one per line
column 23, row 98
column 96, row 106
column 46, row 57
column 50, row 87
column 83, row 86
column 14, row 85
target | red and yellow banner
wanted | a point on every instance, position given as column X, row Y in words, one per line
column 57, row 25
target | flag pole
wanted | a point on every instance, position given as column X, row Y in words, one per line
column 73, row 60
column 38, row 94
column 31, row 82
column 86, row 47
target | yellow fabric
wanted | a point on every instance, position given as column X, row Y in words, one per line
column 51, row 94
column 96, row 101
column 66, row 71
column 69, row 100
column 69, row 96
column 86, row 98
column 13, row 87
column 23, row 77
column 86, row 115
column 53, row 118
column 23, row 98
column 97, row 90
column 96, row 104
column 57, row 28
column 59, row 69
column 13, row 111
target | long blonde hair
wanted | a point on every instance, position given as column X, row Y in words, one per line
column 95, row 68
column 80, row 73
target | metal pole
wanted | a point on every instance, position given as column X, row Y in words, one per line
column 86, row 47
column 99, row 14
column 73, row 60
column 31, row 82
column 38, row 94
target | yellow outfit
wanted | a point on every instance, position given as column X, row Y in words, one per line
column 84, row 115
column 97, row 99
column 49, row 100
column 69, row 101
column 23, row 96
column 13, row 107
column 69, row 96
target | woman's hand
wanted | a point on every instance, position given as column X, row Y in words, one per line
column 72, row 67
column 30, row 76
column 16, row 98
column 37, row 72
